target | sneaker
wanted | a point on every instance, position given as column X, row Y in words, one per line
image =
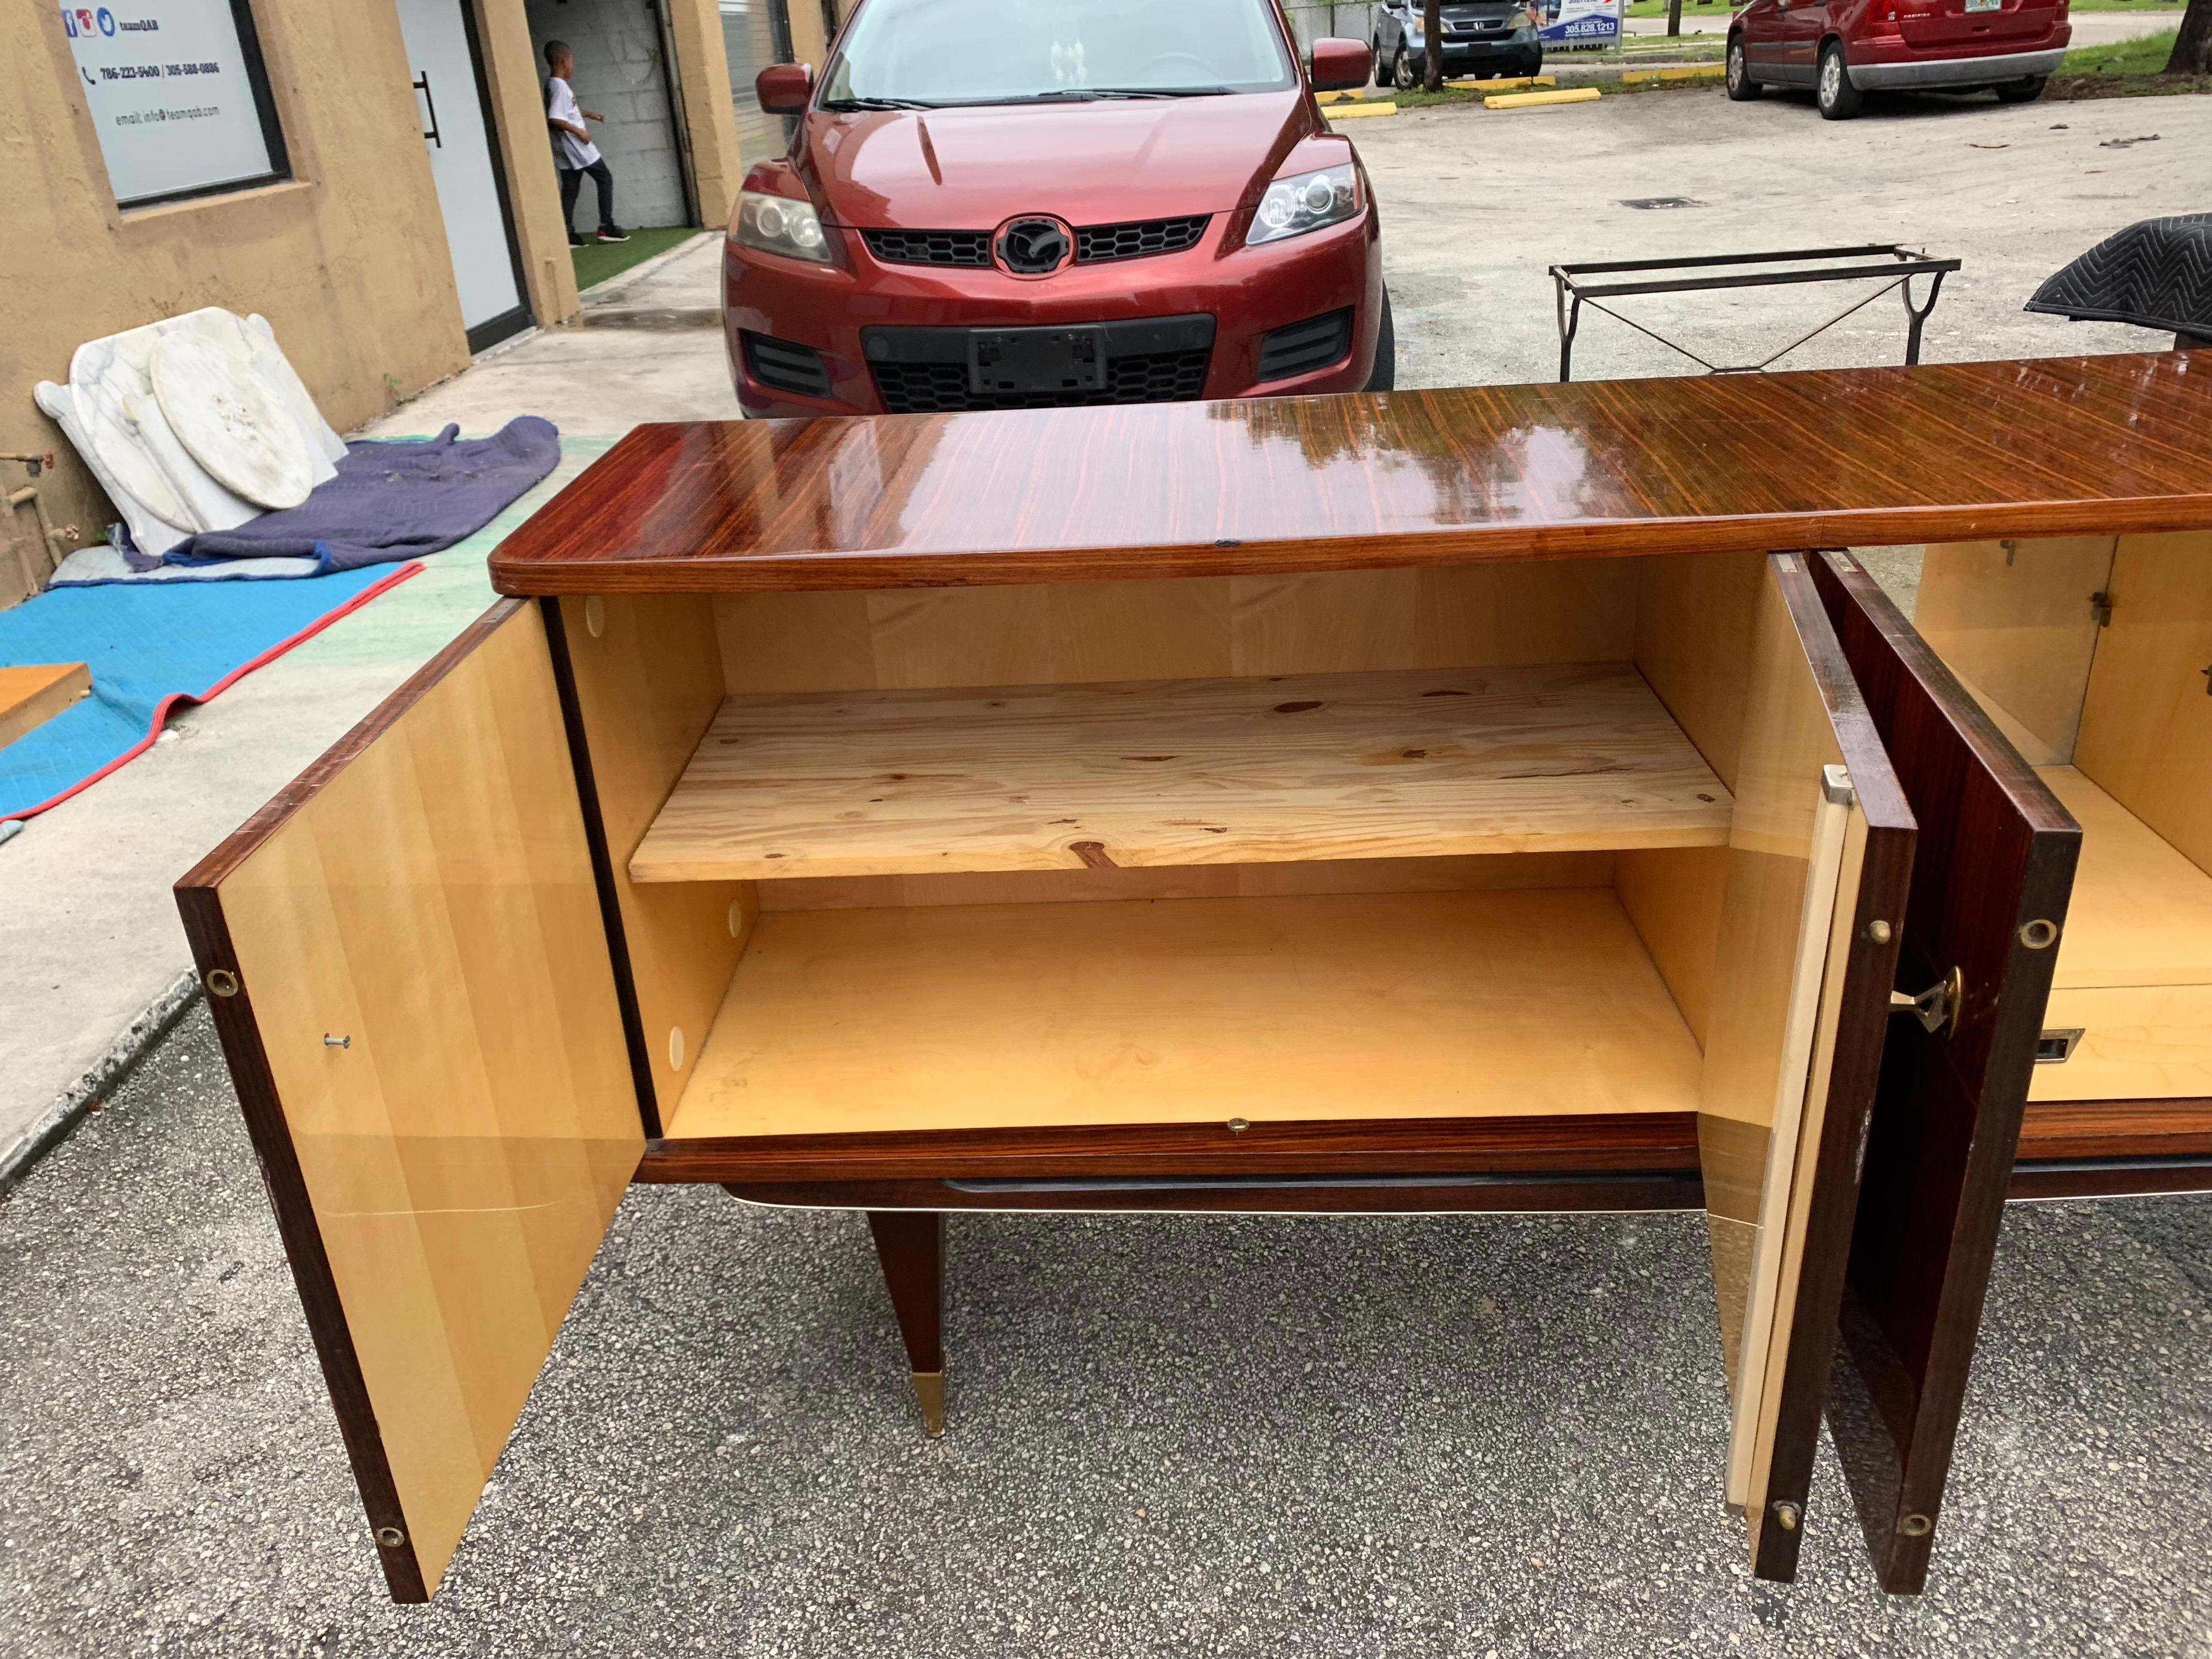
column 574, row 240
column 614, row 233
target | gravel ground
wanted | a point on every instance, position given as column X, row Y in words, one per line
column 1484, row 1436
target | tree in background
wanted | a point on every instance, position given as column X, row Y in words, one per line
column 2192, row 46
column 1432, row 42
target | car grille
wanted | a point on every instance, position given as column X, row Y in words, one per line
column 1304, row 347
column 1095, row 244
column 1149, row 377
column 930, row 248
column 786, row 367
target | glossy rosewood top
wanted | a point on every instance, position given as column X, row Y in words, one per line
column 1824, row 458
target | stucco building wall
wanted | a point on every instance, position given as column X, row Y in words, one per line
column 347, row 259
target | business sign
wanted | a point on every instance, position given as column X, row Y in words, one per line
column 170, row 95
column 1572, row 23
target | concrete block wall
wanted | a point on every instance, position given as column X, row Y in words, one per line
column 621, row 72
column 1310, row 21
column 748, row 48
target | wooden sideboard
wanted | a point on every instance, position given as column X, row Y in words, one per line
column 1472, row 800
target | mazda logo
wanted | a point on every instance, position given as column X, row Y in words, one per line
column 1034, row 248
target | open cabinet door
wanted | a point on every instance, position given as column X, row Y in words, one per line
column 406, row 962
column 1819, row 856
column 1995, row 868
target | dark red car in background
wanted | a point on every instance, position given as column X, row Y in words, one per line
column 1017, row 204
column 1845, row 49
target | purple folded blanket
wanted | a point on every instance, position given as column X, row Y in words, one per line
column 393, row 501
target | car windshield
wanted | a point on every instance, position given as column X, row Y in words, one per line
column 931, row 54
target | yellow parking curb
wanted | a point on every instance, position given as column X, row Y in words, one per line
column 1530, row 99
column 1691, row 72
column 1334, row 97
column 1509, row 83
column 1365, row 107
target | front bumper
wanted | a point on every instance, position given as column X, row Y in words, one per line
column 1248, row 291
column 1494, row 49
column 1991, row 69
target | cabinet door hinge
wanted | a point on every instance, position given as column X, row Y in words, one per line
column 2100, row 607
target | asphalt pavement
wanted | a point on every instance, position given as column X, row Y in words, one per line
column 1493, row 1436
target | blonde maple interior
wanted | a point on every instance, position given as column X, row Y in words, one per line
column 2090, row 654
column 1263, row 769
column 1390, row 843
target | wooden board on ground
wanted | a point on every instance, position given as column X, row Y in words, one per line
column 34, row 694
column 1553, row 759
column 1376, row 1006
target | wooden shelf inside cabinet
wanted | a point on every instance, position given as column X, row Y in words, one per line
column 1178, row 1011
column 1250, row 770
column 2134, row 974
column 2142, row 913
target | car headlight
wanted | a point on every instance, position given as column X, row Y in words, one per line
column 779, row 224
column 1304, row 201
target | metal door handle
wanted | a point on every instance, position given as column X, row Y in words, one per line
column 422, row 84
column 1937, row 1006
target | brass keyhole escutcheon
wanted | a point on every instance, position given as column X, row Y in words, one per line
column 223, row 982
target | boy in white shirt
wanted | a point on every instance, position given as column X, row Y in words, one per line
column 575, row 155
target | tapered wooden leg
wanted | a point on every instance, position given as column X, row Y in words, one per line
column 910, row 1243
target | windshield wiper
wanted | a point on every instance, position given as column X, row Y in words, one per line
column 1095, row 94
column 1159, row 92
column 878, row 103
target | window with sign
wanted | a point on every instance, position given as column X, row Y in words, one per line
column 178, row 96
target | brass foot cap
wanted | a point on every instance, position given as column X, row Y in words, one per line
column 929, row 1389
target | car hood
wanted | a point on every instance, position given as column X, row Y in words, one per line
column 1100, row 163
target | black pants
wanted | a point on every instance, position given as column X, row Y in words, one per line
column 572, row 186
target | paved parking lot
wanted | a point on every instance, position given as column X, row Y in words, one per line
column 1478, row 202
column 1495, row 1437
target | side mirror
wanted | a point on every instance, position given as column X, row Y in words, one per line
column 1339, row 65
column 784, row 88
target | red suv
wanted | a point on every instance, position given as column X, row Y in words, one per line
column 1015, row 203
column 1845, row 49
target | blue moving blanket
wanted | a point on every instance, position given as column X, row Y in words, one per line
column 393, row 501
column 150, row 645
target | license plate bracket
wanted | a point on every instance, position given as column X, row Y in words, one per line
column 1016, row 362
column 1985, row 5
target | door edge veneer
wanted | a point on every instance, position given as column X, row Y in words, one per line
column 603, row 870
